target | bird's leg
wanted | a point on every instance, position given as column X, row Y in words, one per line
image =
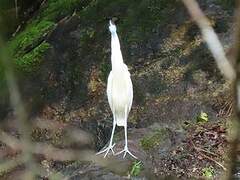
column 110, row 146
column 125, row 150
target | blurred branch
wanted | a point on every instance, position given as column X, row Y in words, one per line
column 73, row 135
column 49, row 151
column 53, row 153
column 211, row 39
column 12, row 142
column 18, row 106
column 235, row 135
column 16, row 8
column 225, row 67
column 11, row 164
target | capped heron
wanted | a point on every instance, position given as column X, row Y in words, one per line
column 119, row 92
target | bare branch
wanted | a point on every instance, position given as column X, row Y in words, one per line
column 11, row 164
column 199, row 150
column 235, row 134
column 53, row 153
column 211, row 39
column 225, row 67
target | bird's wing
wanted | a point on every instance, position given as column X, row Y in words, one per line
column 109, row 90
column 130, row 88
column 130, row 92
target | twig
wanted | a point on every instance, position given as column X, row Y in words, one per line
column 211, row 39
column 17, row 30
column 219, row 164
column 207, row 157
column 43, row 2
column 203, row 150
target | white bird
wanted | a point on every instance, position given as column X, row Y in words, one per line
column 119, row 92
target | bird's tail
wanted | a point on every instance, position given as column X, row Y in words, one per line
column 121, row 116
column 121, row 121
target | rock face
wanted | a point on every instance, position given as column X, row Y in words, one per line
column 171, row 82
column 173, row 73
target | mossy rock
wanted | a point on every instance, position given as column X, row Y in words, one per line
column 27, row 45
column 31, row 61
column 154, row 139
column 30, row 37
column 57, row 9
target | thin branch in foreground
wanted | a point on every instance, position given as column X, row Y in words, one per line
column 18, row 105
column 225, row 67
column 235, row 134
column 11, row 164
column 211, row 39
column 16, row 8
column 53, row 153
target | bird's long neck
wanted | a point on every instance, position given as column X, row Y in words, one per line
column 116, row 55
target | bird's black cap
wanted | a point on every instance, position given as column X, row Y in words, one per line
column 113, row 20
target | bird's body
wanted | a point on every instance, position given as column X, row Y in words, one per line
column 120, row 94
column 119, row 91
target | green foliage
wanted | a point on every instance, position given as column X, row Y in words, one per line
column 153, row 140
column 208, row 172
column 136, row 168
column 31, row 60
column 202, row 118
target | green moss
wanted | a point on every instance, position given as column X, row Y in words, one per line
column 27, row 47
column 153, row 140
column 31, row 60
column 56, row 9
column 30, row 37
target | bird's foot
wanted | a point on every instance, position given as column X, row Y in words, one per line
column 107, row 149
column 126, row 151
